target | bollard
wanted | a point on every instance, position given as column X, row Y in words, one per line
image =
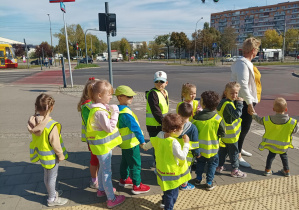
column 63, row 72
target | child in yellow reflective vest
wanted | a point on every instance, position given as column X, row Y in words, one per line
column 84, row 108
column 132, row 136
column 171, row 163
column 278, row 135
column 47, row 146
column 210, row 129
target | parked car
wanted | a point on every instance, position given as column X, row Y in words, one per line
column 234, row 58
column 35, row 62
column 101, row 58
column 255, row 59
column 84, row 60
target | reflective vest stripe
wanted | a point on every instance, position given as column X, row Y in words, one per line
column 195, row 145
column 83, row 127
column 262, row 147
column 104, row 140
column 148, row 115
column 218, row 117
column 233, row 135
column 44, row 153
column 83, row 135
column 50, row 123
column 267, row 118
column 189, row 159
column 128, row 137
column 210, row 151
column 280, row 143
column 293, row 121
column 210, row 142
column 231, row 127
column 35, row 156
column 171, row 178
column 47, row 162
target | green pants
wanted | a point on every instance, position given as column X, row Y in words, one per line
column 131, row 162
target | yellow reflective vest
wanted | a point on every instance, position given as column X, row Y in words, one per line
column 40, row 148
column 171, row 172
column 232, row 131
column 163, row 104
column 194, row 104
column 277, row 138
column 101, row 142
column 84, row 107
column 128, row 137
column 207, row 135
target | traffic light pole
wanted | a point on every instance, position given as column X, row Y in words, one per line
column 68, row 52
column 109, row 47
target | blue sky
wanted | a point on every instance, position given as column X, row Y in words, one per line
column 137, row 20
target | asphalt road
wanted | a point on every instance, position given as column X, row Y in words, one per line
column 139, row 76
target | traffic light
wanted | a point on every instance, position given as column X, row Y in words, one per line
column 111, row 23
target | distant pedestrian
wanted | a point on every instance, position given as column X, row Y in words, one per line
column 278, row 135
column 47, row 145
column 132, row 136
column 46, row 61
column 102, row 135
column 231, row 114
column 84, row 108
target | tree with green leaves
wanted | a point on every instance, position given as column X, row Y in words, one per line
column 164, row 40
column 208, row 36
column 19, row 49
column 272, row 39
column 228, row 39
column 44, row 46
column 179, row 40
column 125, row 47
column 115, row 45
column 142, row 50
column 291, row 39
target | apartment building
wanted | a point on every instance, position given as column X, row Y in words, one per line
column 257, row 20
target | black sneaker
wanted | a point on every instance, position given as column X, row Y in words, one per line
column 197, row 182
column 210, row 187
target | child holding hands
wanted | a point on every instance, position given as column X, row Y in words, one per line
column 132, row 136
column 278, row 135
column 231, row 115
column 102, row 136
column 171, row 164
column 47, row 145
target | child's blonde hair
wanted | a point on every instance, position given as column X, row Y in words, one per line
column 229, row 86
column 280, row 104
column 85, row 96
column 44, row 103
column 100, row 86
column 186, row 88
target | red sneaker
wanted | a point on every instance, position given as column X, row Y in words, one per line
column 126, row 183
column 141, row 189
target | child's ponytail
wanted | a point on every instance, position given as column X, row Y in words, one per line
column 85, row 95
column 44, row 103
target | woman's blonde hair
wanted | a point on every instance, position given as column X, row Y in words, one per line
column 44, row 103
column 229, row 86
column 85, row 96
column 250, row 44
column 100, row 86
column 186, row 88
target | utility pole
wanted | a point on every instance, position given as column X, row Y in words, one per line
column 51, row 41
column 284, row 38
column 196, row 36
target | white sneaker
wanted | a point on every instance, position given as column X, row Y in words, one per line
column 162, row 206
column 245, row 153
column 58, row 202
column 243, row 163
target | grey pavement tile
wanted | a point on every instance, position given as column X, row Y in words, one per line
column 3, row 179
column 24, row 189
column 79, row 173
column 5, row 191
column 65, row 174
column 36, row 177
column 33, row 168
column 18, row 179
column 9, row 203
column 69, row 184
column 12, row 170
column 41, row 188
column 31, row 202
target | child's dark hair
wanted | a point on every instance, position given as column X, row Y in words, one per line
column 229, row 86
column 43, row 103
column 172, row 122
column 185, row 110
column 210, row 99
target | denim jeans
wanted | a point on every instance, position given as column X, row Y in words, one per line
column 169, row 198
column 104, row 175
column 212, row 165
column 233, row 153
column 283, row 157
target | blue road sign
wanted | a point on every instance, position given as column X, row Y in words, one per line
column 214, row 45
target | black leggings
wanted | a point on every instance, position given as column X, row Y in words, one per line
column 283, row 157
column 245, row 125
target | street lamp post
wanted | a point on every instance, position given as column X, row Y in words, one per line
column 196, row 36
column 51, row 38
column 93, row 29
